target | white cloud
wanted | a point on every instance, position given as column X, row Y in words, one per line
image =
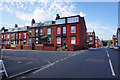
column 59, row 0
column 104, row 32
column 47, row 11
column 82, row 14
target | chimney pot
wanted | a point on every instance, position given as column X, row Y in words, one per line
column 16, row 25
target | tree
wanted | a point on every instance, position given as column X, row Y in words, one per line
column 104, row 43
column 110, row 43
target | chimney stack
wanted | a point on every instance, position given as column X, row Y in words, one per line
column 32, row 22
column 57, row 16
column 16, row 25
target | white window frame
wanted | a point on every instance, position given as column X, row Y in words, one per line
column 7, row 36
column 36, row 40
column 72, row 29
column 72, row 19
column 36, row 31
column 58, row 30
column 16, row 35
column 58, row 40
column 19, row 35
column 11, row 35
column 41, row 31
column 64, row 31
column 48, row 31
column 24, row 35
column 73, row 40
column 91, row 38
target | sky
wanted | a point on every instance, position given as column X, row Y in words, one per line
column 102, row 17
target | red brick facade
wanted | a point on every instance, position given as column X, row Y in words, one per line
column 91, row 38
column 72, row 35
column 115, row 41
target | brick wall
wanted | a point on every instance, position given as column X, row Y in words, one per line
column 27, row 47
column 18, row 46
column 39, row 47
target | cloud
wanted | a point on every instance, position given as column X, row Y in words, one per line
column 104, row 32
column 47, row 11
column 82, row 14
column 59, row 0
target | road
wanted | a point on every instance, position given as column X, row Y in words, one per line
column 18, row 61
column 92, row 64
column 95, row 63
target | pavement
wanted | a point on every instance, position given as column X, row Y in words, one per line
column 95, row 63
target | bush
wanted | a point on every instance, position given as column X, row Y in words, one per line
column 7, row 47
column 89, row 45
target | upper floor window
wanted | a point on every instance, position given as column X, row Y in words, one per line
column 11, row 35
column 24, row 35
column 90, row 33
column 19, row 35
column 64, row 30
column 49, row 31
column 58, row 40
column 41, row 31
column 36, row 31
column 60, row 21
column 72, row 19
column 30, row 32
column 73, row 29
column 7, row 35
column 2, row 35
column 58, row 30
column 73, row 40
column 16, row 35
column 90, row 38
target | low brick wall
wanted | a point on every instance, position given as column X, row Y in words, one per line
column 73, row 47
column 4, row 47
column 27, row 47
column 13, row 48
column 18, row 47
column 49, row 48
column 39, row 47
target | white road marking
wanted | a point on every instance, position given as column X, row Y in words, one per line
column 113, row 73
column 49, row 62
column 108, row 55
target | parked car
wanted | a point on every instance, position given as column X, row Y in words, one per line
column 111, row 47
column 116, row 47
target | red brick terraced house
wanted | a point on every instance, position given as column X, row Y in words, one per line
column 91, row 38
column 115, row 41
column 64, row 32
column 15, row 36
column 98, row 42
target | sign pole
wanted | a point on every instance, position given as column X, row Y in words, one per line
column 2, row 66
